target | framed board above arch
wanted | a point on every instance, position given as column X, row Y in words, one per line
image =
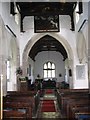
column 46, row 23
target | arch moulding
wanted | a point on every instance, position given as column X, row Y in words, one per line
column 35, row 38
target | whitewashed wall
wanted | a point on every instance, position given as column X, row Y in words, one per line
column 83, row 16
column 80, row 83
column 28, row 23
column 8, row 19
column 54, row 57
column 64, row 22
column 9, row 47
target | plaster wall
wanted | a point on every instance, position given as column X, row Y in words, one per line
column 8, row 18
column 54, row 57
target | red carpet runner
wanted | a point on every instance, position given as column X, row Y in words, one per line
column 48, row 91
column 48, row 106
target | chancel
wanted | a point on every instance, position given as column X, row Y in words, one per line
column 44, row 59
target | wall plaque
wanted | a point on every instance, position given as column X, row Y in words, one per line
column 80, row 72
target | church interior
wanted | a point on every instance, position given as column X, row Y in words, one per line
column 44, row 59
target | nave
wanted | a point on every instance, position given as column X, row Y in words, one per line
column 48, row 107
column 42, row 41
column 47, row 103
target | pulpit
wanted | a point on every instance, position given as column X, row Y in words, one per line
column 23, row 84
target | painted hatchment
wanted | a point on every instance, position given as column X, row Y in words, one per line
column 80, row 72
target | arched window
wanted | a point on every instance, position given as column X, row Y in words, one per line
column 49, row 70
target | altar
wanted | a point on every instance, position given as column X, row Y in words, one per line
column 49, row 84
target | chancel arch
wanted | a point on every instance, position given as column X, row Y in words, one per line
column 36, row 38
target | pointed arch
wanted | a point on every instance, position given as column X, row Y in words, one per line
column 36, row 37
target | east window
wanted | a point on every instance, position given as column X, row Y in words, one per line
column 49, row 70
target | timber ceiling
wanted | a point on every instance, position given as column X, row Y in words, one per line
column 47, row 43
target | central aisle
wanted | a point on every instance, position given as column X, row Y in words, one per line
column 48, row 107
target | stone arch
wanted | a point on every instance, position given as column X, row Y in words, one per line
column 35, row 38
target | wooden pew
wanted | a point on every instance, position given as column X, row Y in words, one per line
column 23, row 98
column 72, row 90
column 65, row 96
column 23, row 109
column 33, row 96
column 61, row 92
column 71, row 98
column 79, row 109
column 64, row 92
column 14, row 114
column 20, row 93
column 82, row 115
column 75, row 104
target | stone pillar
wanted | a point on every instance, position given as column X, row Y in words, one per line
column 89, row 72
column 89, row 47
column 3, row 73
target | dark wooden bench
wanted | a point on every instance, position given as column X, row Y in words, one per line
column 71, row 98
column 33, row 96
column 72, row 90
column 63, row 98
column 21, row 107
column 75, row 104
column 82, row 115
column 79, row 109
column 61, row 93
column 23, row 99
column 66, row 96
column 14, row 114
